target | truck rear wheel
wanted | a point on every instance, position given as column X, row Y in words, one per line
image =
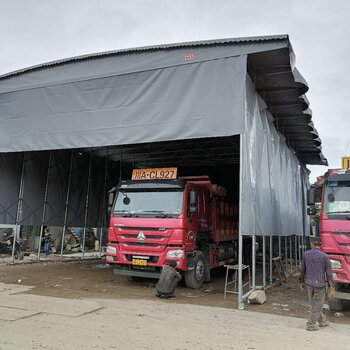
column 194, row 278
column 336, row 304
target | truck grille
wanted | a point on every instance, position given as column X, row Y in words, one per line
column 342, row 238
column 338, row 232
column 127, row 228
column 143, row 244
column 129, row 235
column 155, row 238
column 152, row 259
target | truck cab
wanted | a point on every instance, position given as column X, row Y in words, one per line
column 334, row 229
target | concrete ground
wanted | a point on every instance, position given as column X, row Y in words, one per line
column 29, row 321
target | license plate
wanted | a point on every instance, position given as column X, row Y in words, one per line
column 140, row 262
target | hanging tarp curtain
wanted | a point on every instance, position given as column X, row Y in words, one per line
column 189, row 101
column 10, row 178
column 37, row 174
column 274, row 184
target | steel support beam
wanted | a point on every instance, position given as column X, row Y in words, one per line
column 286, row 251
column 271, row 253
column 19, row 207
column 87, row 203
column 290, row 254
column 45, row 204
column 264, row 262
column 67, row 202
column 240, row 239
column 253, row 262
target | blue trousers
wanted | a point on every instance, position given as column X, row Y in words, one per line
column 47, row 248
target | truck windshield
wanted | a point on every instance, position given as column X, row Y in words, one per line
column 337, row 198
column 149, row 202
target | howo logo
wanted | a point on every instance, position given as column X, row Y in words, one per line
column 141, row 237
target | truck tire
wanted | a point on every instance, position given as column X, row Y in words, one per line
column 336, row 304
column 205, row 251
column 194, row 278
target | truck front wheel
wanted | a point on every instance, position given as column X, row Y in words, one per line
column 194, row 278
column 336, row 304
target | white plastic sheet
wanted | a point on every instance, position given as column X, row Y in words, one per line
column 273, row 183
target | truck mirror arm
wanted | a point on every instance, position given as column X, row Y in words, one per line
column 310, row 196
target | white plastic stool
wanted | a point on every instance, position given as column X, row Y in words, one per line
column 235, row 269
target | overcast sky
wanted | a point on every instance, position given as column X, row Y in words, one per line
column 37, row 31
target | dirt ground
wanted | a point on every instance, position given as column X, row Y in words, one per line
column 93, row 279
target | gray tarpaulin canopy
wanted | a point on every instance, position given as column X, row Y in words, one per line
column 159, row 93
column 168, row 93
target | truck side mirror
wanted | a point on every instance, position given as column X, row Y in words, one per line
column 193, row 202
column 111, row 195
column 310, row 196
column 311, row 210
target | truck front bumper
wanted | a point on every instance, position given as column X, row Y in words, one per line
column 128, row 270
column 123, row 259
column 341, row 275
column 342, row 295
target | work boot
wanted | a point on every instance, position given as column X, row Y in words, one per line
column 324, row 324
column 313, row 327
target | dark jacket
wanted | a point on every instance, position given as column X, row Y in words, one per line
column 316, row 269
column 47, row 238
column 168, row 280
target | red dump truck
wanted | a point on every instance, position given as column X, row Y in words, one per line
column 157, row 217
column 333, row 190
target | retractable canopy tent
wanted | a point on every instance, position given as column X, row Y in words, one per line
column 69, row 127
column 149, row 106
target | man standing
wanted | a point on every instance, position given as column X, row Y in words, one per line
column 47, row 242
column 316, row 272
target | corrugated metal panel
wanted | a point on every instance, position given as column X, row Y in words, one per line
column 258, row 39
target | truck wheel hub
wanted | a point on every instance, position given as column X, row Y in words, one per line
column 199, row 270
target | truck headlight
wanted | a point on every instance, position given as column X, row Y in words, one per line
column 111, row 250
column 336, row 264
column 178, row 253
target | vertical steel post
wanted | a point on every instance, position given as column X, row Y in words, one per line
column 286, row 251
column 264, row 262
column 271, row 253
column 301, row 246
column 67, row 202
column 240, row 239
column 279, row 247
column 303, row 206
column 45, row 203
column 296, row 252
column 19, row 207
column 100, row 238
column 104, row 201
column 290, row 254
column 299, row 250
column 87, row 203
column 253, row 262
